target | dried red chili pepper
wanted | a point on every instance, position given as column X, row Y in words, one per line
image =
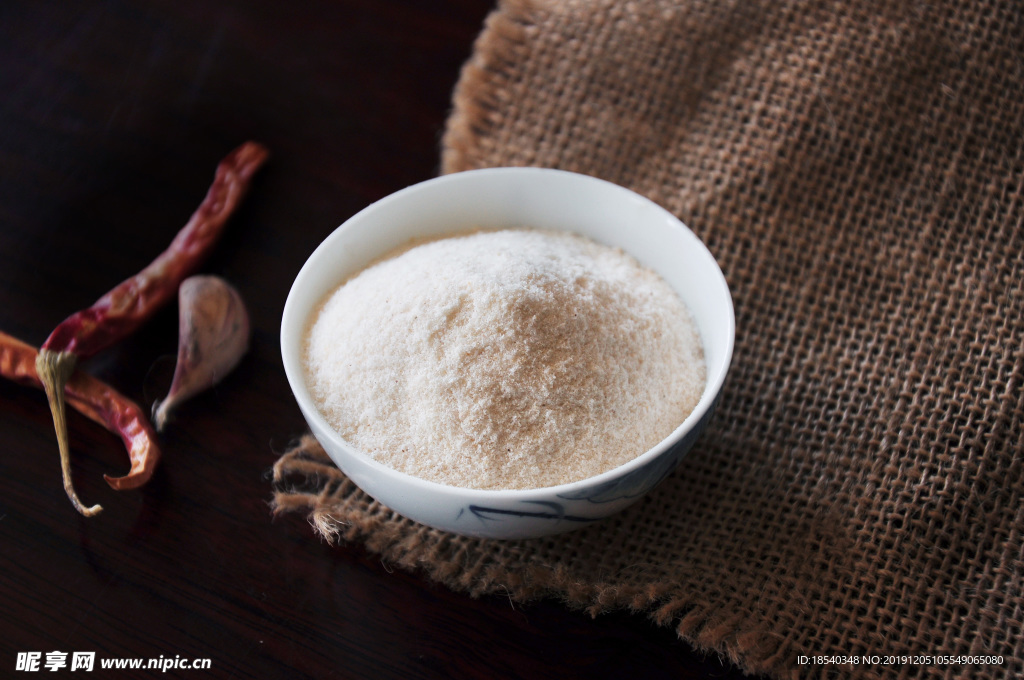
column 100, row 403
column 118, row 313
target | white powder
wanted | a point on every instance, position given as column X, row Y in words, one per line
column 505, row 360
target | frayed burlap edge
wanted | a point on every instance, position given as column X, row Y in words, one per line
column 484, row 82
column 305, row 480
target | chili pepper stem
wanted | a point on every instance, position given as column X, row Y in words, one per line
column 55, row 369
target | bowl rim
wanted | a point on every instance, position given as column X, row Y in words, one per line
column 295, row 373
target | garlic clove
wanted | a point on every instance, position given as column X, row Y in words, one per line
column 213, row 336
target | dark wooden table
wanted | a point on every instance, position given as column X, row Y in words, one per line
column 112, row 117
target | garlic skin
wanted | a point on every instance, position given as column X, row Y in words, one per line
column 213, row 336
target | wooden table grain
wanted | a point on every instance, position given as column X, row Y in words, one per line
column 113, row 115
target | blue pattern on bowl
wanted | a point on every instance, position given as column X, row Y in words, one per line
column 555, row 511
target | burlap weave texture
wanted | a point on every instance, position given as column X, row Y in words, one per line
column 857, row 168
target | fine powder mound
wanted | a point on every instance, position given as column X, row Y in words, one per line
column 508, row 359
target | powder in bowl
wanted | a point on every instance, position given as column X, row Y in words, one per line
column 509, row 359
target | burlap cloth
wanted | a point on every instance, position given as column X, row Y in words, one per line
column 857, row 168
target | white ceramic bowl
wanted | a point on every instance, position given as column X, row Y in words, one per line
column 516, row 197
